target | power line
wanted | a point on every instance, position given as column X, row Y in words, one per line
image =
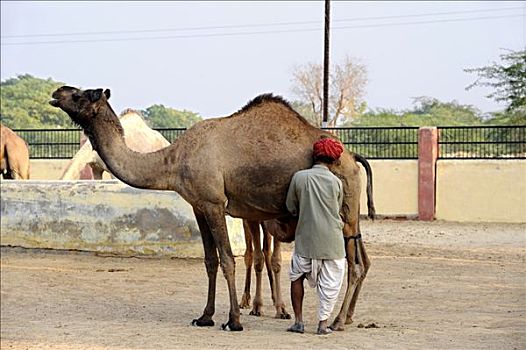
column 256, row 25
column 253, row 33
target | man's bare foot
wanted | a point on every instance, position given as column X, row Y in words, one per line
column 323, row 329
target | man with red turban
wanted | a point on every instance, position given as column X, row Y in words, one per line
column 315, row 196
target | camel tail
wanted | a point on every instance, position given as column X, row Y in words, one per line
column 371, row 211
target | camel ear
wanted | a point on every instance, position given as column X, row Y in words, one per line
column 107, row 93
column 94, row 95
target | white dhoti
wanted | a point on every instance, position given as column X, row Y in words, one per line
column 325, row 275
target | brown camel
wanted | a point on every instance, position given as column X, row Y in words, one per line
column 14, row 154
column 139, row 137
column 239, row 165
column 272, row 233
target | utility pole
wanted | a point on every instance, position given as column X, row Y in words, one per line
column 326, row 66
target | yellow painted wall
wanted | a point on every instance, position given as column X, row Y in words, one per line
column 481, row 190
column 395, row 183
column 45, row 169
column 395, row 187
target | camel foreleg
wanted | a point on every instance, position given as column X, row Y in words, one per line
column 211, row 264
column 215, row 218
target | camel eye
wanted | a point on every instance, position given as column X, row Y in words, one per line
column 75, row 97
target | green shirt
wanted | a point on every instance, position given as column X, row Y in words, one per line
column 316, row 196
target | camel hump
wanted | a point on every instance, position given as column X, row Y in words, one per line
column 267, row 99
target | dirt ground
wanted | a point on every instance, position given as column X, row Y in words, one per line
column 431, row 286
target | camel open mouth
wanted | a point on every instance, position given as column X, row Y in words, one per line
column 54, row 102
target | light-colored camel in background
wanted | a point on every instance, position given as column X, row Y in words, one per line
column 137, row 135
column 14, row 154
column 239, row 165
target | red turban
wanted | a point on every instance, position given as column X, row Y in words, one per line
column 327, row 147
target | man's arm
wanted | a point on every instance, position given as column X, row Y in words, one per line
column 292, row 198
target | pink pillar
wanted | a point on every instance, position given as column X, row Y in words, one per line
column 427, row 157
column 86, row 173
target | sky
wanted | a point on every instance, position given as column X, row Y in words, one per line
column 212, row 57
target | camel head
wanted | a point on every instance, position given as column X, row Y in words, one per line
column 83, row 106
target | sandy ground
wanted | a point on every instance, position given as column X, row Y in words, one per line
column 431, row 286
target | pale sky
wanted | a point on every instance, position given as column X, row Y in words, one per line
column 212, row 57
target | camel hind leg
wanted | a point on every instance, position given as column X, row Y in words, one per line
column 358, row 264
column 18, row 162
column 367, row 265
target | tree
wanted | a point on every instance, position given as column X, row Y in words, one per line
column 159, row 116
column 427, row 111
column 507, row 79
column 346, row 90
column 24, row 103
column 305, row 110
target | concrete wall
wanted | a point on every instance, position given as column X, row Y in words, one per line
column 481, row 190
column 105, row 216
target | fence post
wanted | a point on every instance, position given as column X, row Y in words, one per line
column 86, row 173
column 427, row 157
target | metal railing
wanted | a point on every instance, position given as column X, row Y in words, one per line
column 171, row 134
column 455, row 142
column 51, row 143
column 482, row 142
column 380, row 142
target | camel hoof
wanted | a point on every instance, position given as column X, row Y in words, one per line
column 202, row 323
column 245, row 302
column 281, row 313
column 232, row 327
column 284, row 316
column 255, row 313
column 336, row 326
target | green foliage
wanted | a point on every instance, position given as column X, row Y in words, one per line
column 159, row 116
column 508, row 80
column 515, row 117
column 24, row 103
column 427, row 111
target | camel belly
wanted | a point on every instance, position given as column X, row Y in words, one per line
column 253, row 211
column 259, row 189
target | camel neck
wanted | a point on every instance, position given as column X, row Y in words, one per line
column 141, row 170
